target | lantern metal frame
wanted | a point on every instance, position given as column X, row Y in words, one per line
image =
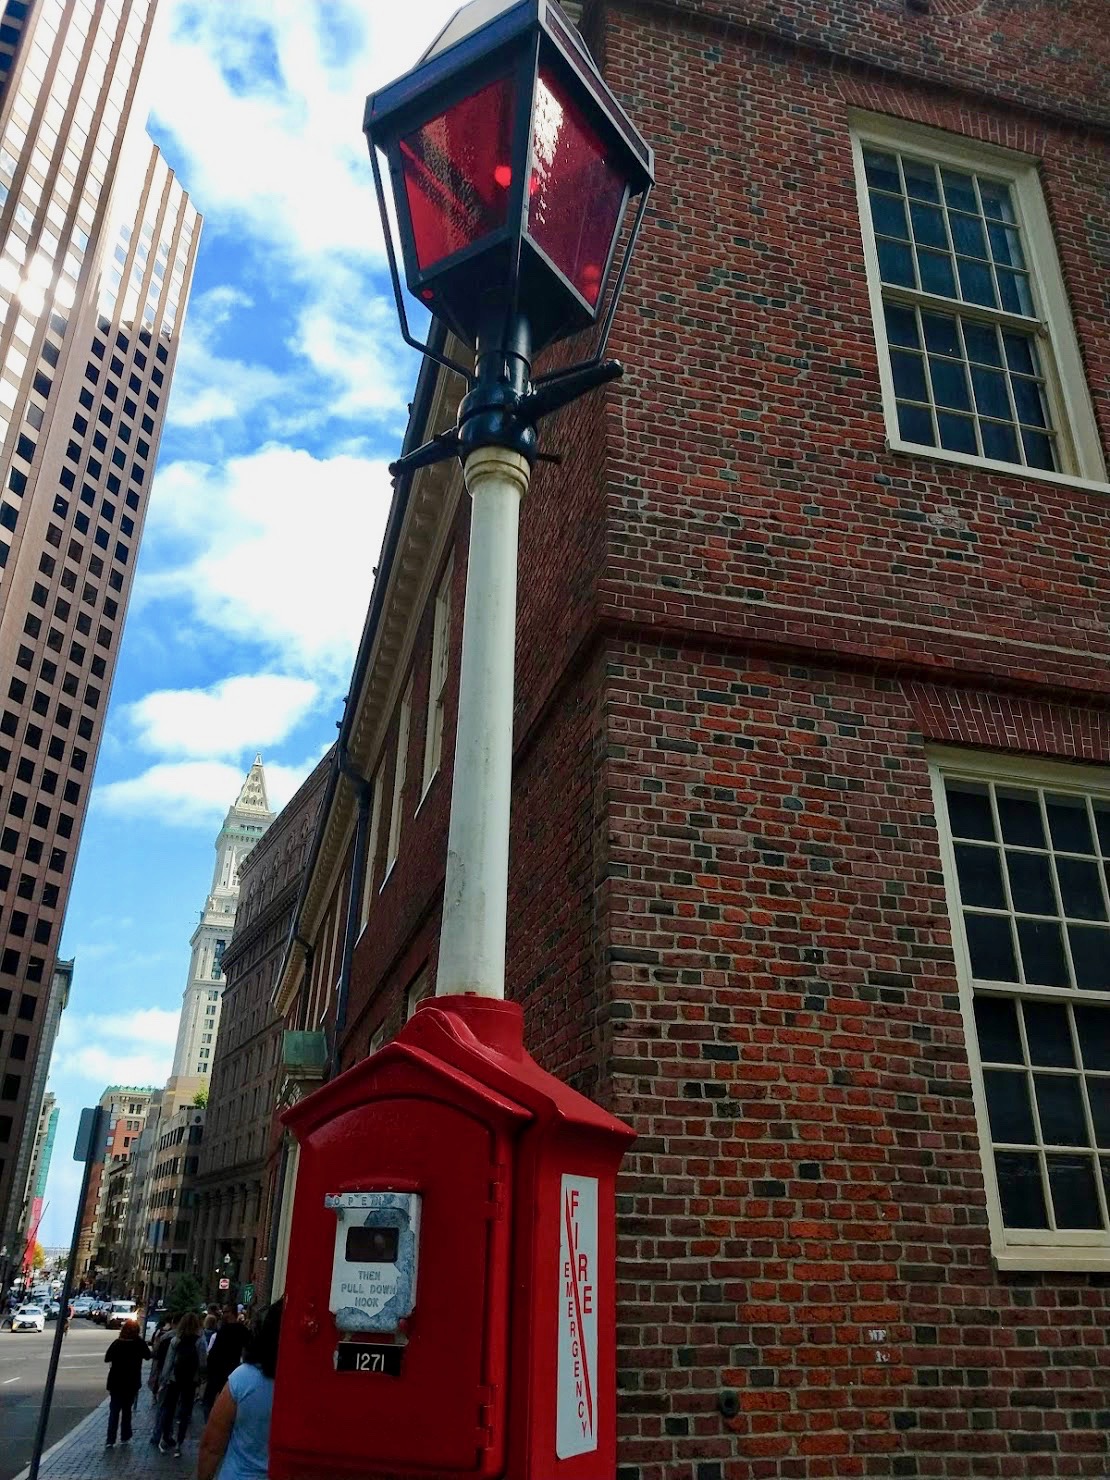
column 503, row 403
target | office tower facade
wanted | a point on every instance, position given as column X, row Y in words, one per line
column 97, row 245
column 247, row 819
column 125, row 1106
column 34, row 1199
column 56, row 1002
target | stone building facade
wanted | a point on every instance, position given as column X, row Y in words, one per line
column 240, row 1156
column 811, row 823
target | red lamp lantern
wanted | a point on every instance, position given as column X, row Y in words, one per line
column 513, row 167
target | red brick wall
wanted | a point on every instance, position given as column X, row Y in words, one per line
column 751, row 491
column 791, row 608
column 808, row 1172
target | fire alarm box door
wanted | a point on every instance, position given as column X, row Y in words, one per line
column 407, row 1199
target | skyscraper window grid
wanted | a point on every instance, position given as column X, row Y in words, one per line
column 85, row 367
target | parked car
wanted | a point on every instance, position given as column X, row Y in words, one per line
column 53, row 1310
column 29, row 1318
column 120, row 1311
column 82, row 1305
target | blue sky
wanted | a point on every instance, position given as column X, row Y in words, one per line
column 267, row 508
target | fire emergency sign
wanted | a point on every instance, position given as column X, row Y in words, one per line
column 576, row 1406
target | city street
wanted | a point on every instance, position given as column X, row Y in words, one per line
column 80, row 1386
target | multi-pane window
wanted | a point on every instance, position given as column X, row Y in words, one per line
column 399, row 770
column 371, row 847
column 1029, row 866
column 978, row 352
column 968, row 381
column 437, row 684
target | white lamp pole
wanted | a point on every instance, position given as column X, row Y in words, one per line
column 475, row 896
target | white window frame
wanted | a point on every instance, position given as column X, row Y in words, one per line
column 422, row 986
column 371, row 850
column 1080, row 1250
column 399, row 769
column 1072, row 412
column 437, row 678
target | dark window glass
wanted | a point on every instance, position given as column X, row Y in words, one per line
column 1031, row 882
column 980, row 876
column 1069, row 824
column 1074, row 1199
column 1081, row 889
column 1020, row 1189
column 1098, row 1091
column 997, row 1030
column 1048, row 1034
column 1011, row 1115
column 1060, row 1107
column 1092, row 1024
column 1042, row 953
column 25, row 448
column 1019, row 815
column 1090, row 954
column 991, row 948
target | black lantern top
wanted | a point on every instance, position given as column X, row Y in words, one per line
column 513, row 166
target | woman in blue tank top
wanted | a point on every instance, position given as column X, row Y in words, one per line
column 236, row 1440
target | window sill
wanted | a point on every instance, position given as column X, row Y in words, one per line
column 988, row 465
column 1052, row 1261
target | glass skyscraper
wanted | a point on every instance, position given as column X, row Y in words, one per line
column 98, row 245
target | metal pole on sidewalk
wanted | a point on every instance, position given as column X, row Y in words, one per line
column 90, row 1149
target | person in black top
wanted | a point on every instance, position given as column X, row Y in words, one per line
column 125, row 1357
column 224, row 1355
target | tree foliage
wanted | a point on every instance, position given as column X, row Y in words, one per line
column 184, row 1294
column 200, row 1099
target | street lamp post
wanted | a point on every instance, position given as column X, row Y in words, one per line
column 514, row 170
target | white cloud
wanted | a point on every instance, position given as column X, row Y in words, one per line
column 278, row 146
column 193, row 793
column 249, row 712
column 274, row 548
column 116, row 1048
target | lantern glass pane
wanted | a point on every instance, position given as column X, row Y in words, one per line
column 575, row 193
column 457, row 170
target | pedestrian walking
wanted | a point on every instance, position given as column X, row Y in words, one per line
column 125, row 1358
column 182, row 1368
column 224, row 1355
column 236, row 1438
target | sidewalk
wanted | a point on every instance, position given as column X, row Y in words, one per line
column 82, row 1455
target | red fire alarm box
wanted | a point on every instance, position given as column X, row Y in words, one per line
column 449, row 1300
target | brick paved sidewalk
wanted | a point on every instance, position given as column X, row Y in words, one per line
column 82, row 1454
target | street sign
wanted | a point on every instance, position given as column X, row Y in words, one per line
column 225, row 1284
column 89, row 1147
column 248, row 1294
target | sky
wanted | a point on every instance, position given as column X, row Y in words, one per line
column 267, row 507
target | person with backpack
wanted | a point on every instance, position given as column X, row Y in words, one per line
column 182, row 1368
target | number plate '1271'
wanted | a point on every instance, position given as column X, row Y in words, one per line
column 352, row 1356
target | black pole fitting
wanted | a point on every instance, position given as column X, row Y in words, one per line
column 503, row 407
